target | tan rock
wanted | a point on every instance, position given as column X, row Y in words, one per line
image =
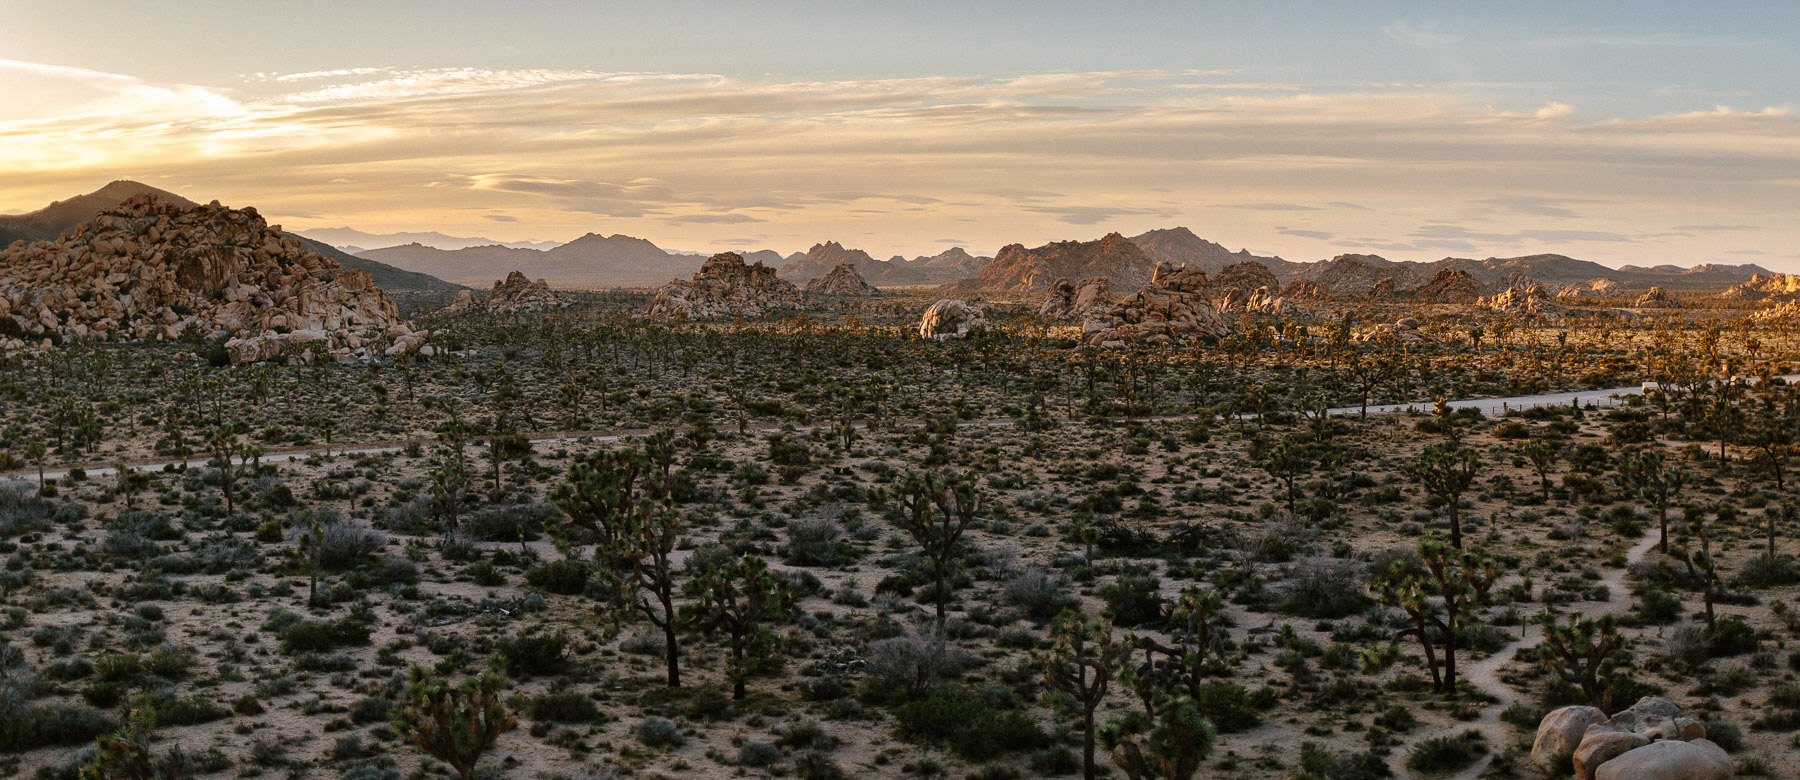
column 1600, row 744
column 725, row 287
column 950, row 318
column 1560, row 733
column 1670, row 760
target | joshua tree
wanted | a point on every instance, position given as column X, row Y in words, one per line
column 936, row 508
column 1700, row 563
column 741, row 599
column 1584, row 652
column 1287, row 460
column 125, row 754
column 1543, row 455
column 450, row 483
column 618, row 501
column 1078, row 669
column 224, row 446
column 1442, row 596
column 455, row 724
column 1170, row 747
column 1657, row 482
column 312, row 546
column 1447, row 470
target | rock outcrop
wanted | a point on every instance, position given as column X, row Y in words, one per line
column 515, row 294
column 1650, row 739
column 1449, row 285
column 1528, row 301
column 1654, row 298
column 724, row 287
column 1404, row 332
column 152, row 269
column 1788, row 311
column 1766, row 287
column 952, row 319
column 1596, row 287
column 1018, row 269
column 1173, row 308
column 1070, row 300
column 841, row 281
column 1304, row 290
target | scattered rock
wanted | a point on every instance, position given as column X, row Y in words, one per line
column 1670, row 760
column 1403, row 332
column 1560, row 733
column 725, row 287
column 153, row 269
column 1598, row 286
column 1304, row 290
column 952, row 319
column 842, row 281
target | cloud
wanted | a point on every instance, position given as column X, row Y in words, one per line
column 499, row 218
column 1094, row 215
column 1268, row 206
column 711, row 219
column 1425, row 35
column 1315, row 234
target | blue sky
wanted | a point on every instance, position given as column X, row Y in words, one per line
column 1640, row 132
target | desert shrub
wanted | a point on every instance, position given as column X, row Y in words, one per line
column 758, row 754
column 1327, row 588
column 1134, row 599
column 1447, row 754
column 968, row 724
column 567, row 577
column 22, row 511
column 1658, row 607
column 817, row 541
column 562, row 707
column 1732, row 636
column 1763, row 571
column 348, row 543
column 371, row 709
column 1725, row 734
column 189, row 711
column 1317, row 763
column 912, row 662
column 1038, row 594
column 529, row 656
column 1231, row 707
column 316, row 636
column 65, row 724
column 508, row 523
column 658, row 732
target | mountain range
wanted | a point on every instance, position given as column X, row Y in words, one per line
column 352, row 240
column 947, row 266
column 50, row 222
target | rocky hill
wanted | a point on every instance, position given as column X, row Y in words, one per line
column 1173, row 308
column 841, row 281
column 153, row 269
column 1178, row 246
column 1016, row 268
column 592, row 261
column 516, row 294
column 725, row 287
column 1530, row 300
column 1448, row 285
column 50, row 222
column 823, row 257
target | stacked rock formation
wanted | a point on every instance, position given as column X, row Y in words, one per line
column 1449, row 285
column 515, row 294
column 1651, row 739
column 952, row 319
column 842, row 280
column 725, row 287
column 153, row 269
column 1528, row 301
column 1654, row 298
column 1172, row 308
column 1765, row 287
column 1070, row 300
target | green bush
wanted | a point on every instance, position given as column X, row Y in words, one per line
column 1447, row 754
column 316, row 636
column 1134, row 599
column 1230, row 707
column 567, row 577
column 529, row 656
column 562, row 707
column 968, row 724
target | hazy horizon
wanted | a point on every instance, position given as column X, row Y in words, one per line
column 1638, row 134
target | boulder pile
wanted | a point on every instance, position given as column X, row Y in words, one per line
column 1304, row 290
column 1598, row 286
column 841, row 281
column 1405, row 331
column 1651, row 739
column 156, row 269
column 1654, row 298
column 515, row 294
column 1069, row 300
column 1172, row 308
column 1528, row 301
column 725, row 287
column 1449, row 285
column 952, row 319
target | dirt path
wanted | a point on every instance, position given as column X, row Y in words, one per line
column 1484, row 675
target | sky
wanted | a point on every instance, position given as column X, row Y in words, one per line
column 1646, row 132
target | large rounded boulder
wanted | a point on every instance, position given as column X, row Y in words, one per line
column 1670, row 760
column 1560, row 733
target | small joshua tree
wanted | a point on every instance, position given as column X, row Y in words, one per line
column 125, row 754
column 455, row 724
column 740, row 599
column 1078, row 669
column 1169, row 747
column 1583, row 651
column 936, row 509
